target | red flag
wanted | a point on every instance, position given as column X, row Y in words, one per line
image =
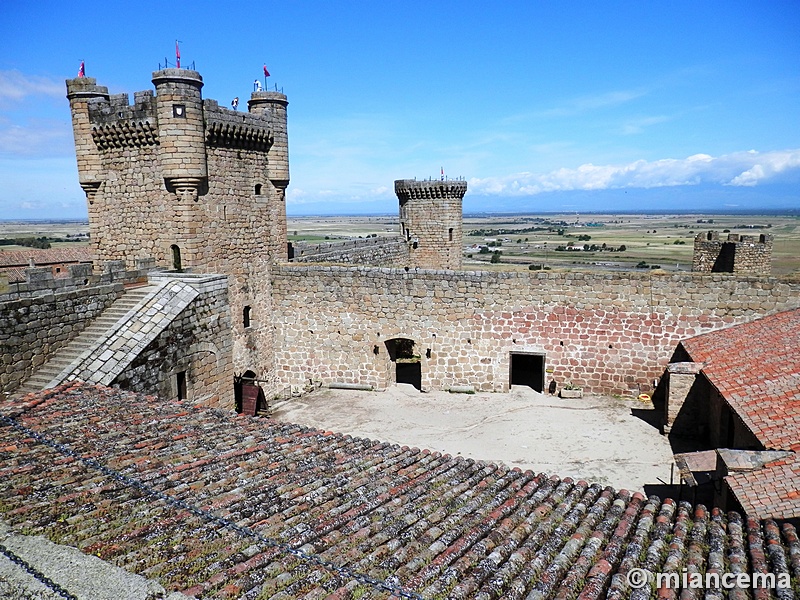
column 82, row 71
column 266, row 73
column 177, row 55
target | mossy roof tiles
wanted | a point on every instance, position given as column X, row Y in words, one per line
column 194, row 496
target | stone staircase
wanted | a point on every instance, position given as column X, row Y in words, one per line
column 44, row 376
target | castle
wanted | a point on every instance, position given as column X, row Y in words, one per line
column 184, row 193
column 193, row 304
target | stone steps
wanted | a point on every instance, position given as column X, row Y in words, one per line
column 102, row 325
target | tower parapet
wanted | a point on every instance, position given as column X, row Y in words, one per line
column 431, row 221
column 181, row 131
column 273, row 106
column 735, row 254
column 81, row 92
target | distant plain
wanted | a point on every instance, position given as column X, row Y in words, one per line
column 662, row 241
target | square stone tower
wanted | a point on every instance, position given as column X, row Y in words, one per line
column 747, row 254
column 195, row 186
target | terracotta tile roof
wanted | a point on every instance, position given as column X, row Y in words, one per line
column 14, row 274
column 756, row 367
column 771, row 492
column 197, row 498
column 42, row 257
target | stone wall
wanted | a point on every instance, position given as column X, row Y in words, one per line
column 387, row 251
column 736, row 254
column 196, row 342
column 34, row 328
column 40, row 281
column 607, row 332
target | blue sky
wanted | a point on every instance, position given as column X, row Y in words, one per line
column 541, row 106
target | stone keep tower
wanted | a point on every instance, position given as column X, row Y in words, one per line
column 750, row 254
column 430, row 221
column 195, row 186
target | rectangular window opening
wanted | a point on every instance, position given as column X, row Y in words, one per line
column 180, row 384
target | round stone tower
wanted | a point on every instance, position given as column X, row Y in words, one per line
column 81, row 91
column 273, row 105
column 181, row 131
column 430, row 221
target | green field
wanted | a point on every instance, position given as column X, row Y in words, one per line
column 663, row 241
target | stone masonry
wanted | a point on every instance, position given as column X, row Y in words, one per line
column 183, row 333
column 606, row 332
column 388, row 251
column 34, row 328
column 194, row 186
column 737, row 254
column 430, row 221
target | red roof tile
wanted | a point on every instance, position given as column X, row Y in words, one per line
column 771, row 492
column 756, row 367
column 44, row 256
column 225, row 506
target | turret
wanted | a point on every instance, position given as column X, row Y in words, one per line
column 430, row 221
column 82, row 91
column 273, row 105
column 181, row 131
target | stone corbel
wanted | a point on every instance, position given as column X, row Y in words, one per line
column 186, row 188
column 90, row 188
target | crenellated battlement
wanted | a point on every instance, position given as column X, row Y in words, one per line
column 430, row 221
column 411, row 189
column 233, row 129
column 737, row 253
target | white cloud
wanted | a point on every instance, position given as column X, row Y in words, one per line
column 38, row 139
column 736, row 169
column 766, row 166
column 17, row 86
column 586, row 104
column 638, row 125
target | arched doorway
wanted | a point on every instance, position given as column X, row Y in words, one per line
column 407, row 364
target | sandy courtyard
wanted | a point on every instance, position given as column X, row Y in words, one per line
column 595, row 438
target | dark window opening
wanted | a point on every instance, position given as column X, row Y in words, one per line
column 451, row 234
column 289, row 250
column 258, row 189
column 246, row 316
column 176, row 258
column 528, row 370
column 415, row 245
column 180, row 384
